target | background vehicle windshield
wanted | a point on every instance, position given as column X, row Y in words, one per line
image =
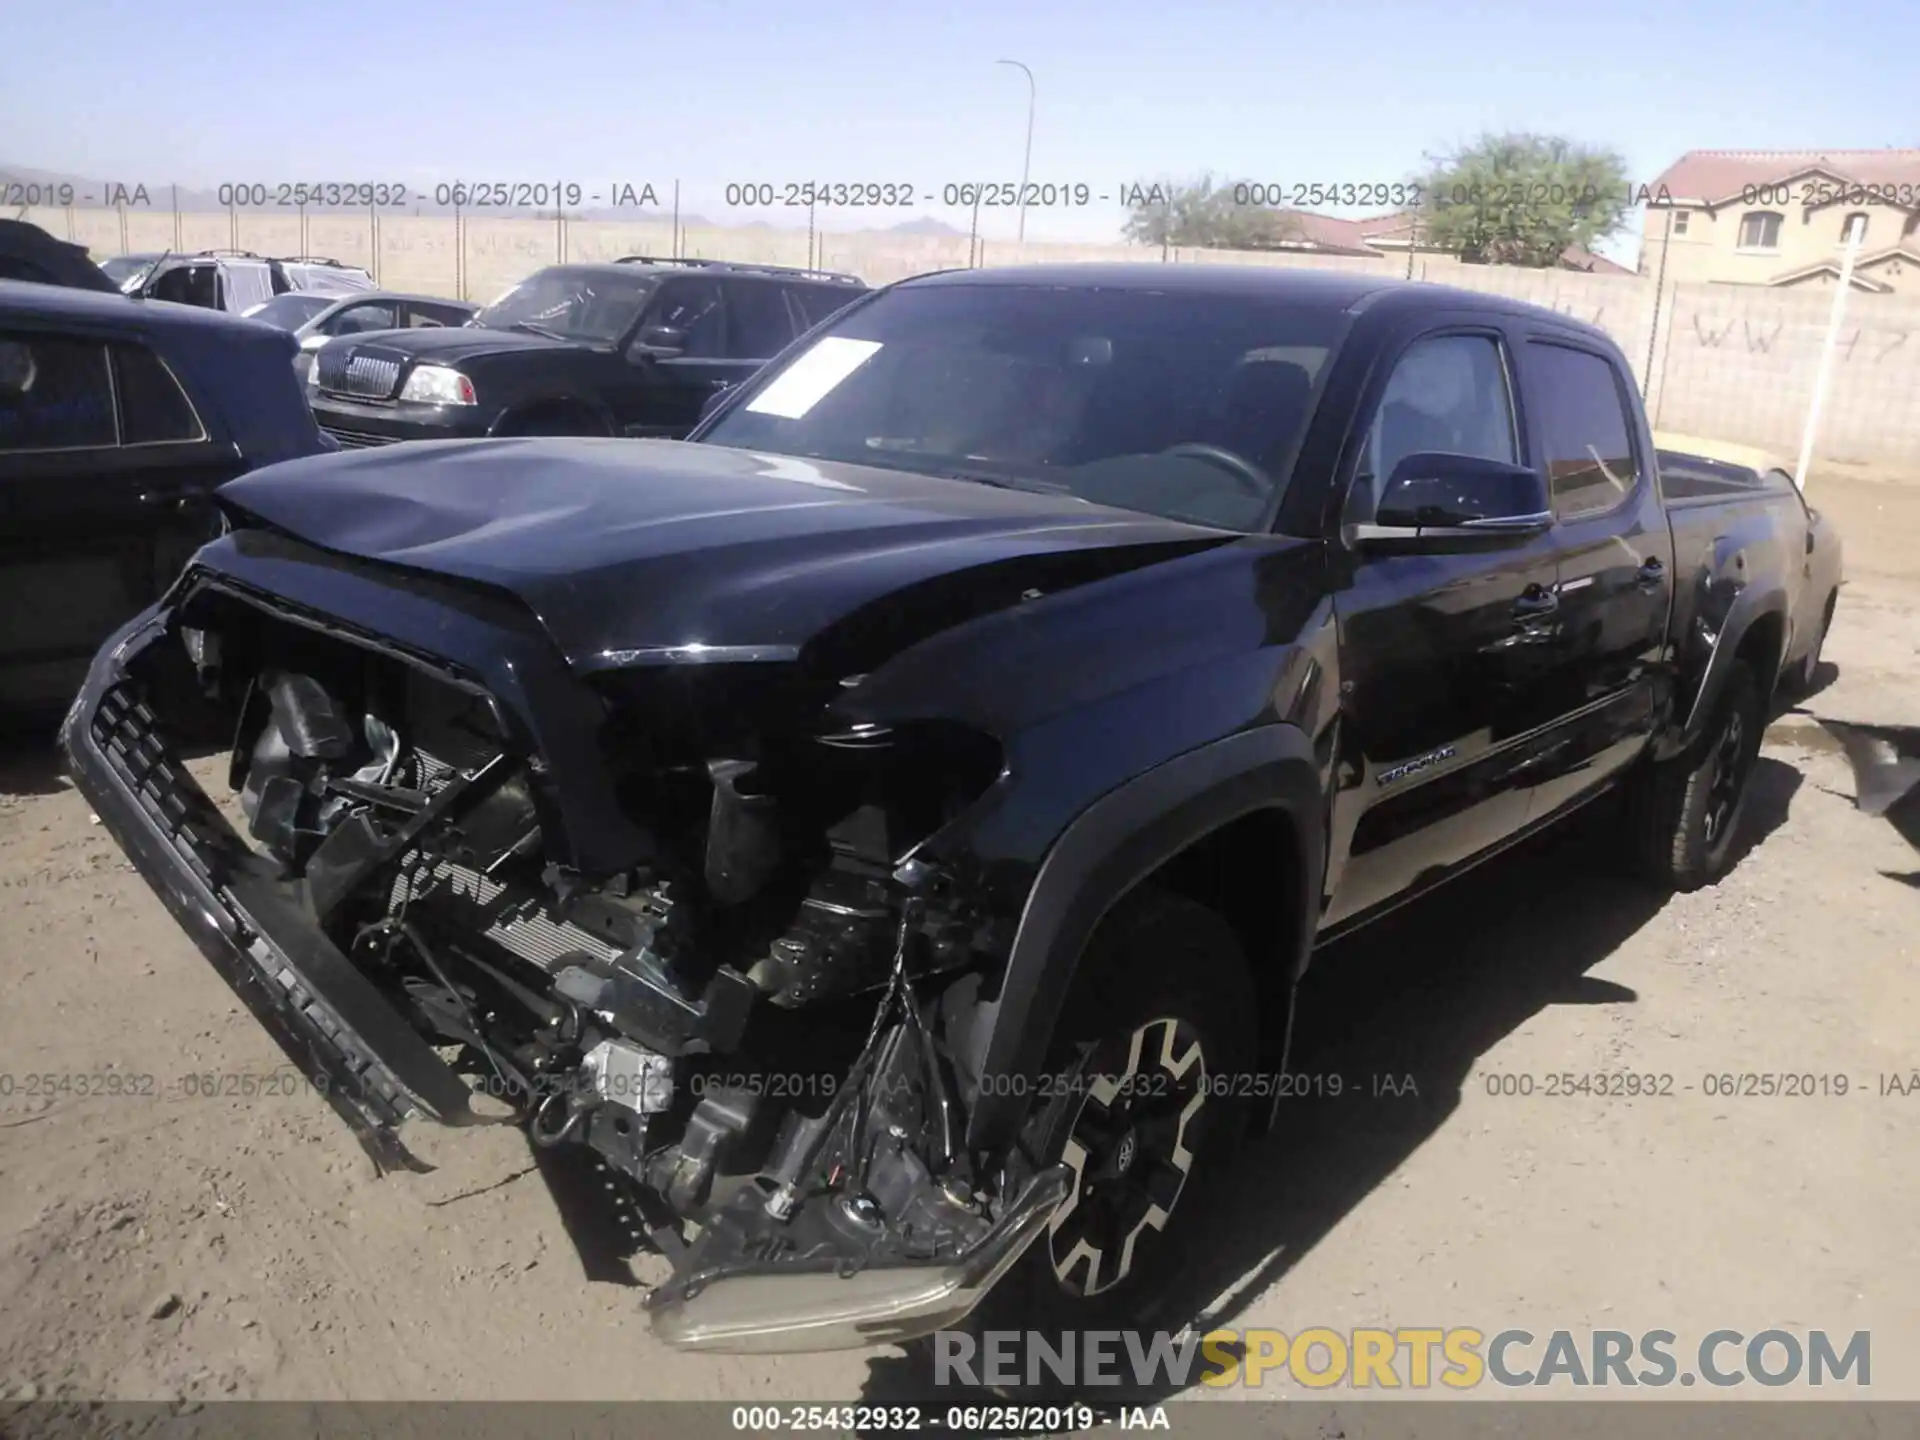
column 576, row 302
column 290, row 311
column 122, row 268
column 1181, row 405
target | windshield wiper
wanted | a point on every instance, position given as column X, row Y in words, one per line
column 1002, row 482
column 533, row 329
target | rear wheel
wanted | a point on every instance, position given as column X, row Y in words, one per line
column 1160, row 1018
column 1687, row 809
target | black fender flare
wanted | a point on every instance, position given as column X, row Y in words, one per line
column 539, row 402
column 1102, row 854
column 1749, row 607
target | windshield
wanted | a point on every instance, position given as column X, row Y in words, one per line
column 290, row 311
column 572, row 303
column 1183, row 405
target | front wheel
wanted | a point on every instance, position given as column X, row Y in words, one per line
column 1157, row 1026
column 1688, row 809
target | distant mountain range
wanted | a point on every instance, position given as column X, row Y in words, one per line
column 23, row 185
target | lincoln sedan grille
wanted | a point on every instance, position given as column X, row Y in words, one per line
column 364, row 375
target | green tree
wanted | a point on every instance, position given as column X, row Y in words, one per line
column 1522, row 199
column 1204, row 213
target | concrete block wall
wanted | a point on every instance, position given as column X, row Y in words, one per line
column 1737, row 362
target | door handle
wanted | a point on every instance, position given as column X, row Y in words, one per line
column 1536, row 601
column 1652, row 574
column 179, row 500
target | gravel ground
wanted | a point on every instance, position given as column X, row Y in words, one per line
column 178, row 1245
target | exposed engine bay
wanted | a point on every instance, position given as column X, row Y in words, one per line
column 752, row 1025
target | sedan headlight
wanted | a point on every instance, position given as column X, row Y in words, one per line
column 437, row 385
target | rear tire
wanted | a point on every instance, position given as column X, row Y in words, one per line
column 1687, row 810
column 1160, row 1017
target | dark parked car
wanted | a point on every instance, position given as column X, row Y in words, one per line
column 118, row 418
column 29, row 253
column 634, row 347
column 316, row 319
column 230, row 280
column 888, row 830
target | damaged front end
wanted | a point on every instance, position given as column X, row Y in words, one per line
column 751, row 1018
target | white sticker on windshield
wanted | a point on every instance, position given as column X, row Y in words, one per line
column 811, row 378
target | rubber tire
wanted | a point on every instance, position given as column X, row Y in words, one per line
column 1155, row 954
column 1799, row 680
column 1671, row 799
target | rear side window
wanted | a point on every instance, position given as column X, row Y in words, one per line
column 817, row 302
column 430, row 315
column 358, row 319
column 757, row 311
column 55, row 393
column 154, row 410
column 1585, row 433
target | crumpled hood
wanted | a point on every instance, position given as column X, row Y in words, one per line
column 647, row 551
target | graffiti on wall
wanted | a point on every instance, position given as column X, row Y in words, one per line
column 1868, row 344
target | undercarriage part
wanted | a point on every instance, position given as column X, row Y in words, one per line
column 684, row 1173
column 864, row 1227
column 636, row 994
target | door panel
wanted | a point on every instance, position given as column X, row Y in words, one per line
column 1615, row 558
column 666, row 393
column 91, row 530
column 1445, row 658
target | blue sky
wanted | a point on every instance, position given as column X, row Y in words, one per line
column 853, row 90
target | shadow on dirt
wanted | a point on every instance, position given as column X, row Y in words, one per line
column 31, row 762
column 1401, row 1013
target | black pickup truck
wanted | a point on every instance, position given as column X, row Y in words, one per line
column 888, row 828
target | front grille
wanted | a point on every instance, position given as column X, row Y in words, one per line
column 366, row 376
column 357, row 439
column 129, row 735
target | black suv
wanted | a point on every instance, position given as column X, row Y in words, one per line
column 635, row 347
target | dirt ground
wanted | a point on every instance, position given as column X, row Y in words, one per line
column 176, row 1245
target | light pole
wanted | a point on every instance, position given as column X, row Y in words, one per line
column 1026, row 164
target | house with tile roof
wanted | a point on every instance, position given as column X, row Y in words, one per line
column 1392, row 234
column 1781, row 217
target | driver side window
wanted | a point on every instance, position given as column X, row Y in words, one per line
column 1449, row 394
column 694, row 308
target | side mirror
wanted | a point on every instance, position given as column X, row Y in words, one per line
column 313, row 342
column 1437, row 500
column 718, row 398
column 658, row 342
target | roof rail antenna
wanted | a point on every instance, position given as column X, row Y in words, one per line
column 666, row 260
column 747, row 267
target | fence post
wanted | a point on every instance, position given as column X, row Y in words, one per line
column 1824, row 375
